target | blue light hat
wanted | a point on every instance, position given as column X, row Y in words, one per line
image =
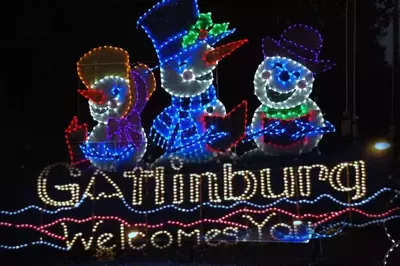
column 168, row 22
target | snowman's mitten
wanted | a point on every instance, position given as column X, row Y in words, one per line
column 75, row 135
column 145, row 83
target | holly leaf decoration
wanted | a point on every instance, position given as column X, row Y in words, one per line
column 190, row 38
column 204, row 21
column 203, row 27
column 219, row 28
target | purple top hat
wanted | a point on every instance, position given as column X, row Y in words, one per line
column 168, row 22
column 300, row 43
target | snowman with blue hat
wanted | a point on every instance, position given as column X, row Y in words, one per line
column 184, row 40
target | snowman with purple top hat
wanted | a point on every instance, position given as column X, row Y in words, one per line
column 184, row 40
column 288, row 122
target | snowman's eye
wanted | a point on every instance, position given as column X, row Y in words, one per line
column 296, row 74
column 278, row 65
column 115, row 91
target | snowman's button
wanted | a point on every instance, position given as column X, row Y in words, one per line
column 210, row 109
column 266, row 75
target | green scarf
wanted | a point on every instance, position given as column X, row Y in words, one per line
column 286, row 114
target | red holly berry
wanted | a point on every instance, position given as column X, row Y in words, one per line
column 203, row 34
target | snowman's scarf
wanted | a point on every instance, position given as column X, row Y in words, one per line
column 179, row 124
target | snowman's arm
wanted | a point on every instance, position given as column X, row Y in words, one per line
column 249, row 135
column 164, row 126
column 75, row 135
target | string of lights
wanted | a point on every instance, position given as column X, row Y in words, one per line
column 314, row 236
column 122, row 221
column 324, row 216
column 34, row 227
column 36, row 243
column 207, row 204
column 344, row 224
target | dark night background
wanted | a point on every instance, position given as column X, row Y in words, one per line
column 41, row 42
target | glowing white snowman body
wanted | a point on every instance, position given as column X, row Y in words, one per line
column 283, row 87
column 117, row 94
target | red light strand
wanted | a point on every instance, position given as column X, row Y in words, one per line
column 122, row 221
column 324, row 216
column 213, row 56
column 36, row 228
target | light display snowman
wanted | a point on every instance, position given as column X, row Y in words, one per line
column 184, row 39
column 288, row 121
column 117, row 94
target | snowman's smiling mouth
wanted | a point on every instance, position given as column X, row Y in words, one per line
column 278, row 97
column 205, row 77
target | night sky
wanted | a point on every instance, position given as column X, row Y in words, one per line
column 42, row 41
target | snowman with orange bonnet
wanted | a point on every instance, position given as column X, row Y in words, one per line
column 117, row 94
column 288, row 121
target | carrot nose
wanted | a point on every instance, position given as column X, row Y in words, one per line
column 95, row 96
column 215, row 55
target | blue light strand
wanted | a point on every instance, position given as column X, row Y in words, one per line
column 250, row 135
column 149, row 11
column 308, row 129
column 211, row 205
column 174, row 38
column 107, row 155
column 320, row 236
column 209, row 137
column 303, row 237
column 33, row 244
column 40, row 209
column 346, row 224
column 188, row 49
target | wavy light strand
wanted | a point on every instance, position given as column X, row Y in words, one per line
column 122, row 221
column 34, row 227
column 36, row 243
column 208, row 204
